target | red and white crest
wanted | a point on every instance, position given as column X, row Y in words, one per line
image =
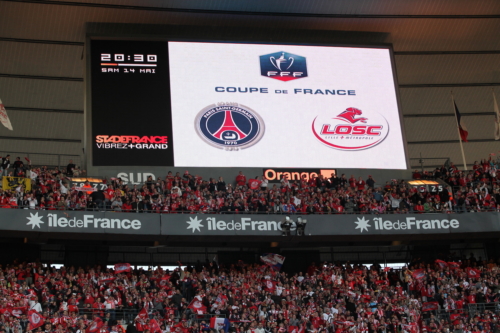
column 35, row 318
column 345, row 132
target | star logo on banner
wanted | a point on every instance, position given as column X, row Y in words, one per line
column 362, row 224
column 194, row 223
column 34, row 220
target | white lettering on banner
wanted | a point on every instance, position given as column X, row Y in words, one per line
column 245, row 223
column 135, row 178
column 409, row 223
column 88, row 221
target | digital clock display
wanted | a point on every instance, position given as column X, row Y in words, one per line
column 149, row 58
column 131, row 122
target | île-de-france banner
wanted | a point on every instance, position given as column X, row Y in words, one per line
column 262, row 225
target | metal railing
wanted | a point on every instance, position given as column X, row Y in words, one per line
column 482, row 307
column 39, row 159
column 107, row 208
column 471, row 309
column 127, row 315
column 198, row 318
column 429, row 163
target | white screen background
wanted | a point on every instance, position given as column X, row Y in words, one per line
column 197, row 68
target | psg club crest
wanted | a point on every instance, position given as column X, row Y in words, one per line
column 351, row 129
column 229, row 126
column 283, row 66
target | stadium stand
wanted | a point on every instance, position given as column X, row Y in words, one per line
column 475, row 190
column 443, row 296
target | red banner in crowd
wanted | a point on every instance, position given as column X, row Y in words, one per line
column 106, row 280
column 142, row 315
column 197, row 306
column 120, row 268
column 473, row 272
column 454, row 265
column 418, row 274
column 254, row 184
column 153, row 324
column 345, row 323
column 430, row 306
column 270, row 285
column 296, row 329
column 441, row 264
column 96, row 325
column 36, row 320
column 382, row 283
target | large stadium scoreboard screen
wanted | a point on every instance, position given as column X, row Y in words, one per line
column 204, row 104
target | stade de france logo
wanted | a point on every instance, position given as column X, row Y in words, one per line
column 229, row 126
column 283, row 66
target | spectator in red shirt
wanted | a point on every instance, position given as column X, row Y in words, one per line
column 360, row 184
column 127, row 206
column 241, row 180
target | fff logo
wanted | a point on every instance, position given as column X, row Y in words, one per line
column 283, row 66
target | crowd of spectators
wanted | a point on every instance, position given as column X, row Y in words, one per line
column 463, row 191
column 441, row 296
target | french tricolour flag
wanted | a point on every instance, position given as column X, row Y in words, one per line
column 219, row 323
column 461, row 126
column 272, row 259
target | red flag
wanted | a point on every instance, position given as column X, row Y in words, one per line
column 120, row 268
column 454, row 265
column 106, row 280
column 142, row 315
column 36, row 320
column 179, row 328
column 293, row 329
column 96, row 325
column 6, row 311
column 254, row 184
column 153, row 324
column 430, row 306
column 473, row 273
column 18, row 311
column 442, row 264
column 387, row 269
column 418, row 274
column 461, row 125
column 269, row 285
column 365, row 298
column 382, row 283
column 346, row 323
column 197, row 306
column 164, row 281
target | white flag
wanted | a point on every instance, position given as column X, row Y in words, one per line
column 497, row 118
column 4, row 118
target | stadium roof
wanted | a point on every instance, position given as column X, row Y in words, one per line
column 440, row 45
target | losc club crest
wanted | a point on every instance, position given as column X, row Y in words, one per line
column 351, row 130
column 283, row 66
column 229, row 126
